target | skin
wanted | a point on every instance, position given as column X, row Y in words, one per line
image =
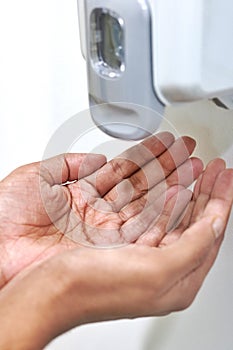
column 43, row 218
column 159, row 272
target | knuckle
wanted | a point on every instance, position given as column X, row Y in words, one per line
column 139, row 183
column 169, row 165
column 124, row 215
column 173, row 179
column 117, row 167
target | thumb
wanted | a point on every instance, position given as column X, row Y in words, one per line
column 70, row 167
column 191, row 250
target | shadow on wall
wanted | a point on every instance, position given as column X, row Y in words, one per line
column 211, row 126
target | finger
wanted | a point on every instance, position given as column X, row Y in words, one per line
column 159, row 193
column 190, row 285
column 130, row 161
column 207, row 179
column 70, row 167
column 205, row 186
column 158, row 169
column 171, row 213
column 147, row 219
column 223, row 186
column 183, row 176
column 197, row 187
column 222, row 195
column 187, row 173
column 174, row 235
column 153, row 173
column 177, row 154
column 189, row 252
column 182, row 294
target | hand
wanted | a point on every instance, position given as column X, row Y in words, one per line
column 87, row 285
column 40, row 217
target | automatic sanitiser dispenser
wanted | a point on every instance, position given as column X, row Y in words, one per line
column 143, row 55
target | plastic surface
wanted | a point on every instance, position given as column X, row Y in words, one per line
column 122, row 95
column 175, row 51
column 192, row 49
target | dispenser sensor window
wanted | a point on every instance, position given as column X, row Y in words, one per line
column 107, row 43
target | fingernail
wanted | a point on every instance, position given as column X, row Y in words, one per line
column 218, row 227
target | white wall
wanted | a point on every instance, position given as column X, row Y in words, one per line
column 42, row 75
column 42, row 84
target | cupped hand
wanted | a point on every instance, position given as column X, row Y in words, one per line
column 52, row 206
column 88, row 285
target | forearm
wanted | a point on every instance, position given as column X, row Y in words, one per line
column 25, row 315
column 31, row 307
column 61, row 294
column 86, row 285
column 56, row 296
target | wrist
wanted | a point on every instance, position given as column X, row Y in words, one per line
column 27, row 315
column 94, row 287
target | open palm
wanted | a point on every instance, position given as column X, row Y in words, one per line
column 52, row 206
